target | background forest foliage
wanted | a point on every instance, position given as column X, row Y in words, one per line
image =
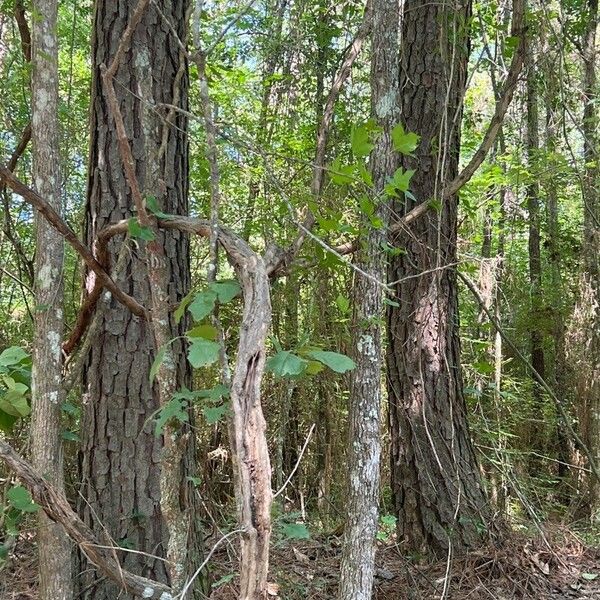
column 524, row 260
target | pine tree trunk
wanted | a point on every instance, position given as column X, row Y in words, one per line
column 439, row 499
column 590, row 390
column 120, row 455
column 54, row 548
column 364, row 445
column 535, row 260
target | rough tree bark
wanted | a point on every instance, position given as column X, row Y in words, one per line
column 590, row 293
column 120, row 456
column 364, row 445
column 536, row 338
column 438, row 495
column 54, row 547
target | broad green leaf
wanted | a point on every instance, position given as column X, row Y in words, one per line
column 286, row 364
column 343, row 304
column 203, row 304
column 405, row 143
column 202, row 352
column 152, row 206
column 213, row 414
column 360, row 141
column 12, row 356
column 21, row 499
column 70, row 409
column 589, row 576
column 7, row 421
column 483, row 367
column 366, row 205
column 216, row 393
column 365, row 174
column 341, row 174
column 180, row 310
column 160, row 356
column 196, row 481
column 226, row 290
column 295, row 531
column 138, row 231
column 174, row 409
column 223, row 580
column 206, row 331
column 390, row 302
column 340, row 363
column 401, row 179
column 185, row 394
column 71, row 436
column 14, row 404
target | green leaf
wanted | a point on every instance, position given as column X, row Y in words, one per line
column 196, row 481
column 340, row 363
column 138, row 231
column 216, row 393
column 202, row 352
column 343, row 304
column 366, row 206
column 360, row 141
column 15, row 404
column 223, row 580
column 152, row 206
column 206, row 331
column 174, row 409
column 405, row 143
column 589, row 576
column 12, row 356
column 295, row 531
column 286, row 364
column 71, row 436
column 7, row 421
column 390, row 302
column 180, row 310
column 70, row 409
column 399, row 182
column 483, row 367
column 213, row 414
column 160, row 356
column 341, row 174
column 20, row 498
column 226, row 290
column 203, row 304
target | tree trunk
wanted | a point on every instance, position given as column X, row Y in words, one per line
column 555, row 264
column 54, row 548
column 120, row 455
column 536, row 337
column 364, row 445
column 436, row 484
column 590, row 297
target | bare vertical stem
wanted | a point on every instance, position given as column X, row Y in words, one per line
column 54, row 548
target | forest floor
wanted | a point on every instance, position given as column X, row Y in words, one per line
column 555, row 566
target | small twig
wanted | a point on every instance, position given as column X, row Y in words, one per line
column 187, row 586
column 227, row 27
column 291, row 475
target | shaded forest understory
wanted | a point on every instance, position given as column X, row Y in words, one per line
column 299, row 299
